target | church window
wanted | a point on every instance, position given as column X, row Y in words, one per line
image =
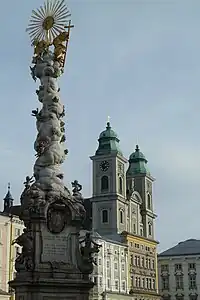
column 121, row 216
column 104, row 183
column 150, row 229
column 149, row 201
column 104, row 216
column 120, row 185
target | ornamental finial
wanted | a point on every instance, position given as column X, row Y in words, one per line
column 47, row 28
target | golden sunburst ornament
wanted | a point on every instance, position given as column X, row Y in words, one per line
column 48, row 21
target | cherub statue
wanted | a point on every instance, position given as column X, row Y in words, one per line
column 33, row 73
column 63, row 112
column 60, row 47
column 63, row 139
column 89, row 248
column 35, row 112
column 76, row 187
column 28, row 182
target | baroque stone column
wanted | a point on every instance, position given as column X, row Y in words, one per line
column 54, row 262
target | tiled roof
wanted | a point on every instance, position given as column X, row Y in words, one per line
column 188, row 247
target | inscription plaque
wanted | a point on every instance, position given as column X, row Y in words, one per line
column 56, row 247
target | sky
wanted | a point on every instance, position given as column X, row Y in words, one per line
column 139, row 63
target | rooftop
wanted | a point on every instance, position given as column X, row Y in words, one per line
column 188, row 247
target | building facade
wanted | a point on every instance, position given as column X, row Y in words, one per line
column 122, row 211
column 179, row 271
column 110, row 269
column 10, row 228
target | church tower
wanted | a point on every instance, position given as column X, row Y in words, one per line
column 8, row 200
column 109, row 205
column 140, row 180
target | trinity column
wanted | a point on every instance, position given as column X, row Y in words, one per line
column 54, row 262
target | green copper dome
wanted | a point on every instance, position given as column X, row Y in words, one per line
column 108, row 142
column 137, row 163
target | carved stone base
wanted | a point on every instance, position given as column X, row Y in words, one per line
column 51, row 289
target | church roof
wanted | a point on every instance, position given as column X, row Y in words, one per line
column 137, row 163
column 188, row 247
column 108, row 142
column 8, row 195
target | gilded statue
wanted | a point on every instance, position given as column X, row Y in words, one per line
column 40, row 47
column 60, row 46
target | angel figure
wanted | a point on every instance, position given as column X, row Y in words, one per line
column 40, row 47
column 60, row 47
column 28, row 182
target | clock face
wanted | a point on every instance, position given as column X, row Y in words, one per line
column 104, row 165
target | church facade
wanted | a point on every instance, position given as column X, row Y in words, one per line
column 122, row 213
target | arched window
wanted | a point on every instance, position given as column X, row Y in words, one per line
column 150, row 229
column 104, row 216
column 120, row 188
column 121, row 214
column 104, row 183
column 134, row 227
column 149, row 201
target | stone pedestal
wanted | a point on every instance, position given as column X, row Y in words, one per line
column 51, row 289
column 54, row 263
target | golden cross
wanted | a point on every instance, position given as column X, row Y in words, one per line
column 69, row 26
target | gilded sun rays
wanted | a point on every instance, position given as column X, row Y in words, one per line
column 48, row 21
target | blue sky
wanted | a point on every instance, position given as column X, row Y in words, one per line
column 137, row 61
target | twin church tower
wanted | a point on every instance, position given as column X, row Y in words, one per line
column 122, row 195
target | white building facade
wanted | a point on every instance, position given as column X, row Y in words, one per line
column 179, row 271
column 110, row 273
column 10, row 228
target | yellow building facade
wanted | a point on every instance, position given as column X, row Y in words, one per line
column 143, row 271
